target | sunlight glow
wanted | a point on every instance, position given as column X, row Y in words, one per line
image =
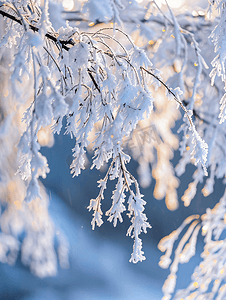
column 68, row 4
column 172, row 3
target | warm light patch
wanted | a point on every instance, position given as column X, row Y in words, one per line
column 172, row 3
column 192, row 296
column 195, row 274
column 161, row 262
column 208, row 280
column 34, row 225
column 45, row 137
column 177, row 65
column 18, row 205
column 161, row 248
column 185, row 199
column 222, row 288
column 171, row 203
column 198, row 102
column 6, row 93
column 91, row 24
column 202, row 286
column 195, row 284
column 205, row 192
column 204, row 229
column 151, row 42
column 225, row 218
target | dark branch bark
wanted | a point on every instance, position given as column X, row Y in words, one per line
column 51, row 36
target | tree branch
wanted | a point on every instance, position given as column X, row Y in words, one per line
column 53, row 37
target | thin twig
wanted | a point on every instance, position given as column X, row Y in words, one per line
column 56, row 64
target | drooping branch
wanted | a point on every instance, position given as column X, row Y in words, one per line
column 51, row 36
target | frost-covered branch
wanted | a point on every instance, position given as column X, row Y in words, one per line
column 114, row 85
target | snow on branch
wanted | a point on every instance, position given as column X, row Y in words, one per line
column 87, row 77
column 208, row 279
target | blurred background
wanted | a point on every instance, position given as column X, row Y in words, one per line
column 99, row 265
